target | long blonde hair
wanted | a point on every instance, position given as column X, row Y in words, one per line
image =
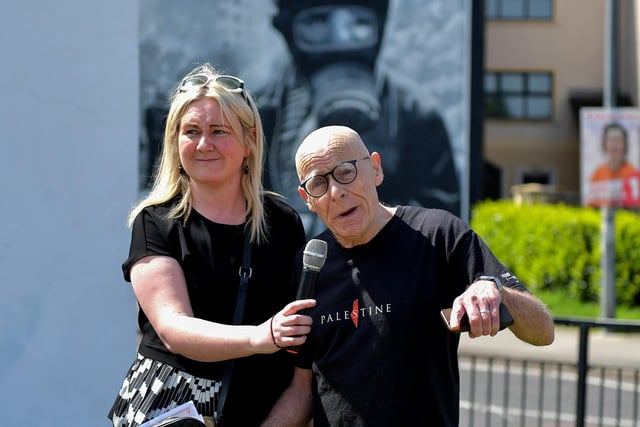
column 170, row 181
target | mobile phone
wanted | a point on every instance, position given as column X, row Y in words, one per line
column 505, row 319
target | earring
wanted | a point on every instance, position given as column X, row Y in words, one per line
column 246, row 169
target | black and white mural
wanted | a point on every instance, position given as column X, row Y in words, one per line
column 397, row 71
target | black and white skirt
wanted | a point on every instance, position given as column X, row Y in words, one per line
column 152, row 388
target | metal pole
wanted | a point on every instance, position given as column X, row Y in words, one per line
column 607, row 243
column 581, row 384
column 607, row 294
column 610, row 54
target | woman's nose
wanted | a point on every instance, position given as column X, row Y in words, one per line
column 205, row 142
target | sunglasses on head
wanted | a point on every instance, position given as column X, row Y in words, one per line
column 230, row 83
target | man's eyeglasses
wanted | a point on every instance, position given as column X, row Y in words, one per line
column 230, row 83
column 344, row 173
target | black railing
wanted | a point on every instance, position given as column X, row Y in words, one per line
column 503, row 391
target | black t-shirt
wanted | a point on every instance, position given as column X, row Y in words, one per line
column 210, row 255
column 379, row 352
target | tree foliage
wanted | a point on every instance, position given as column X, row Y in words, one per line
column 555, row 246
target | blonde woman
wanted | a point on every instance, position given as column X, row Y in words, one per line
column 190, row 234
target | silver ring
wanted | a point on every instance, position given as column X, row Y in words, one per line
column 484, row 310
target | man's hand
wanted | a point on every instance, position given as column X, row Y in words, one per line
column 481, row 303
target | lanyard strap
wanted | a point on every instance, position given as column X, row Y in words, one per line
column 244, row 273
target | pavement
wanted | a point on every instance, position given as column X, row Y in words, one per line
column 604, row 348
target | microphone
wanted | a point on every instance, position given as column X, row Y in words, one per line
column 313, row 258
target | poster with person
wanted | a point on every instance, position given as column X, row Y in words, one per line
column 610, row 157
column 397, row 71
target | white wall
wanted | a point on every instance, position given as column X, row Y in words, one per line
column 68, row 174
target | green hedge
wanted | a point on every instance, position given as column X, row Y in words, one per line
column 557, row 247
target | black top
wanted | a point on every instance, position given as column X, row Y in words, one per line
column 379, row 352
column 210, row 255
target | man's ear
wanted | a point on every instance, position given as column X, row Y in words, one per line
column 306, row 198
column 377, row 167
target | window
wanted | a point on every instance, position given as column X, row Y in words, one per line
column 541, row 10
column 518, row 95
column 538, row 177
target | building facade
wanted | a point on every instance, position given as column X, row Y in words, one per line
column 544, row 60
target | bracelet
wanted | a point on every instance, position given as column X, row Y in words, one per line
column 273, row 337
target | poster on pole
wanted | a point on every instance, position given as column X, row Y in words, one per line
column 610, row 157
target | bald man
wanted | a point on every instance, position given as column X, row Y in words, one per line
column 378, row 353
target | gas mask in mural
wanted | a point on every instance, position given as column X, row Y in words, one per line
column 332, row 80
column 335, row 47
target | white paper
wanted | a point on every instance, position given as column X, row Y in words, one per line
column 185, row 410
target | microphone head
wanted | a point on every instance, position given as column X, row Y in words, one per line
column 315, row 254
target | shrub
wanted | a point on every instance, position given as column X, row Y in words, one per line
column 557, row 247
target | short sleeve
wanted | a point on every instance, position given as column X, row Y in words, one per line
column 149, row 236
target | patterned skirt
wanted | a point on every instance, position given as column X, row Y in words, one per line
column 152, row 388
